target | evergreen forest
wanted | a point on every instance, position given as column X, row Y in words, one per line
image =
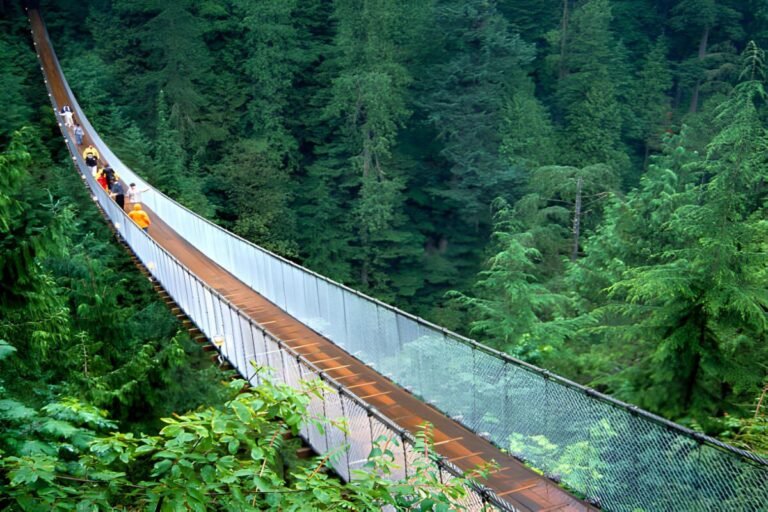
column 582, row 184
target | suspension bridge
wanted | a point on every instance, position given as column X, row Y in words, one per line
column 389, row 372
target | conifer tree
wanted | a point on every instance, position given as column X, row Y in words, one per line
column 650, row 104
column 588, row 88
column 273, row 56
column 562, row 206
column 255, row 196
column 510, row 308
column 696, row 305
column 170, row 171
column 174, row 35
column 12, row 88
column 366, row 105
column 481, row 67
column 697, row 19
column 528, row 137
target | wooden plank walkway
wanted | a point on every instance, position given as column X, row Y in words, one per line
column 520, row 486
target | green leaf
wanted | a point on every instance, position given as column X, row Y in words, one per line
column 11, row 410
column 59, row 428
column 6, row 349
column 208, row 474
column 145, row 448
column 105, row 475
column 243, row 413
column 219, row 425
column 162, row 467
column 166, row 454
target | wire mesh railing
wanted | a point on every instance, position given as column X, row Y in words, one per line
column 615, row 454
column 244, row 343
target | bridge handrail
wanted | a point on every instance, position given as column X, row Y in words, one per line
column 130, row 232
column 156, row 195
column 478, row 495
column 591, row 480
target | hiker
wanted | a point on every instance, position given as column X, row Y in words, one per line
column 68, row 116
column 110, row 174
column 101, row 179
column 118, row 194
column 91, row 157
column 140, row 217
column 134, row 194
column 79, row 134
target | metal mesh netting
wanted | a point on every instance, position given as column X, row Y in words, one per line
column 243, row 343
column 624, row 458
column 612, row 453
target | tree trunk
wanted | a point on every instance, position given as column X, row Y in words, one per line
column 364, row 274
column 647, row 155
column 702, row 53
column 694, row 374
column 563, row 36
column 691, row 382
column 760, row 401
column 577, row 220
column 678, row 96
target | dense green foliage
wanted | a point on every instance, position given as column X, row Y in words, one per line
column 368, row 140
column 586, row 177
column 91, row 360
column 241, row 456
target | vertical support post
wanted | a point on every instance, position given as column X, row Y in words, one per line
column 346, row 435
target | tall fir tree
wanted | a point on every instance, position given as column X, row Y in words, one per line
column 481, row 67
column 356, row 168
column 694, row 310
column 589, row 86
column 649, row 101
column 510, row 308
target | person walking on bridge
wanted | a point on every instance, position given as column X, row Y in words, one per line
column 91, row 157
column 118, row 194
column 79, row 134
column 67, row 115
column 101, row 179
column 134, row 193
column 111, row 176
column 140, row 217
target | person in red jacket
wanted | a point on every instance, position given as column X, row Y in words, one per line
column 101, row 178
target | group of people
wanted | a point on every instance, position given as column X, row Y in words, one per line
column 70, row 122
column 106, row 176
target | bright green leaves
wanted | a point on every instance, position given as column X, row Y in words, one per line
column 237, row 457
column 28, row 470
column 688, row 301
column 243, row 413
column 11, row 410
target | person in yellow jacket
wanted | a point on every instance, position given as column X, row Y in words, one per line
column 140, row 217
column 91, row 157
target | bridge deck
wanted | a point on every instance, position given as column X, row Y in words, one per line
column 517, row 484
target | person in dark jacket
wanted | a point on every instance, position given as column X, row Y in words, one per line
column 118, row 194
column 109, row 173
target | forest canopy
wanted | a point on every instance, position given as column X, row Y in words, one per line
column 580, row 184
